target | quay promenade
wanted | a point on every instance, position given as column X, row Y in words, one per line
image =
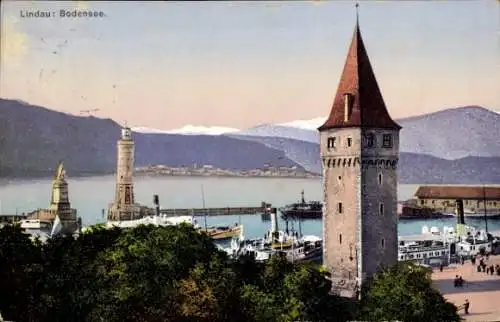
column 482, row 290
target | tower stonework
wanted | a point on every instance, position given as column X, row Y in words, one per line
column 59, row 204
column 359, row 147
column 124, row 207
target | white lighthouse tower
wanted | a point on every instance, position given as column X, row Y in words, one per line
column 124, row 207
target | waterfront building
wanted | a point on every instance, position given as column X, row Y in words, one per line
column 59, row 205
column 124, row 206
column 359, row 147
column 475, row 198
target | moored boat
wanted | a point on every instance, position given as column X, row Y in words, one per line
column 482, row 213
column 303, row 209
column 157, row 220
column 293, row 247
column 223, row 232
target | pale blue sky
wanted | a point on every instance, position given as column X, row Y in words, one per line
column 238, row 64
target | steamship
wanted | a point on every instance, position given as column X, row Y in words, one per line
column 434, row 247
column 294, row 247
column 480, row 214
column 302, row 209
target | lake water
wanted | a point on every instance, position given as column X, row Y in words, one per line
column 90, row 195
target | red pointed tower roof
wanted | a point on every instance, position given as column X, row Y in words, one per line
column 367, row 107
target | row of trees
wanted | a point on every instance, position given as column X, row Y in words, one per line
column 177, row 274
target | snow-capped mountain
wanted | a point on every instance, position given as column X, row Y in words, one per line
column 281, row 131
column 448, row 134
column 189, row 130
column 312, row 124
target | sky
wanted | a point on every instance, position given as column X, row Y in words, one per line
column 165, row 65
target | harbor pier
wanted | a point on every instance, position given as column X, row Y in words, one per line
column 264, row 208
column 11, row 218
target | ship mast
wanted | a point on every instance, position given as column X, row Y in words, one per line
column 485, row 215
column 204, row 209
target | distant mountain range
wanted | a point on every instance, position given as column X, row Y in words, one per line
column 34, row 139
column 458, row 145
column 470, row 131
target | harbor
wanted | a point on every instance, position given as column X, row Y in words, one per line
column 264, row 208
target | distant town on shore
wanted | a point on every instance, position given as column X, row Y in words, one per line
column 212, row 171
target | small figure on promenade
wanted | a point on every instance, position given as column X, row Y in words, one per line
column 455, row 281
column 497, row 268
column 462, row 260
column 483, row 265
column 473, row 260
column 492, row 269
column 466, row 306
column 441, row 267
column 460, row 281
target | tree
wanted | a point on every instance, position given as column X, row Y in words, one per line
column 290, row 292
column 143, row 270
column 211, row 292
column 404, row 292
column 311, row 288
column 20, row 266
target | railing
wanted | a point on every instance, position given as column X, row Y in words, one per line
column 422, row 249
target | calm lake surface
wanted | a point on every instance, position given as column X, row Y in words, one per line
column 90, row 195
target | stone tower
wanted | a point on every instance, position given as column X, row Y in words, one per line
column 124, row 207
column 360, row 151
column 59, row 204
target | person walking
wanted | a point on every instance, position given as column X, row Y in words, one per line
column 466, row 306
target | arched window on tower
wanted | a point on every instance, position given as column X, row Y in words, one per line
column 348, row 104
column 380, row 179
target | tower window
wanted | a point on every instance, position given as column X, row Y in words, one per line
column 381, row 209
column 348, row 103
column 380, row 179
column 387, row 141
column 370, row 140
column 340, row 238
column 331, row 143
column 382, row 242
column 339, row 207
column 349, row 142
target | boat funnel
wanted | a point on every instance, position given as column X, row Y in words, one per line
column 274, row 222
column 156, row 202
column 460, row 211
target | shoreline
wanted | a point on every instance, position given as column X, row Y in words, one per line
column 48, row 176
column 304, row 176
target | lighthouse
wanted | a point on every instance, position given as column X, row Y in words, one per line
column 124, row 207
